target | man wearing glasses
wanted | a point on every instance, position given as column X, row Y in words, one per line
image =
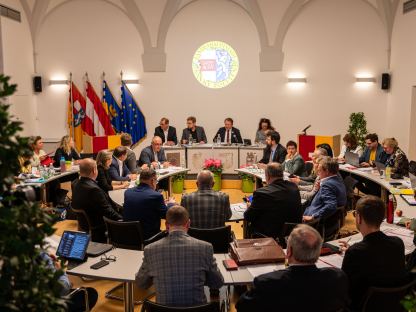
column 166, row 132
column 154, row 155
column 143, row 203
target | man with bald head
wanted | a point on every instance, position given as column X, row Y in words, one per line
column 153, row 155
column 88, row 196
column 273, row 205
column 302, row 286
column 207, row 208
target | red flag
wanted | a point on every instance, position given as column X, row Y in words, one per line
column 81, row 115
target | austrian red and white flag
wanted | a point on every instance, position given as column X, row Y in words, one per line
column 79, row 112
column 97, row 113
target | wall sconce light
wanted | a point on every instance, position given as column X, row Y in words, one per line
column 131, row 81
column 58, row 82
column 365, row 79
column 297, row 80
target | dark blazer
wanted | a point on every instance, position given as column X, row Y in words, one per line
column 331, row 195
column 131, row 162
column 88, row 196
column 147, row 156
column 272, row 206
column 115, row 172
column 235, row 136
column 365, row 157
column 61, row 153
column 104, row 180
column 298, row 289
column 171, row 134
column 200, row 134
column 279, row 154
column 378, row 260
column 144, row 204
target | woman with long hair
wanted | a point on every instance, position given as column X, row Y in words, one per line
column 66, row 150
column 264, row 127
column 104, row 181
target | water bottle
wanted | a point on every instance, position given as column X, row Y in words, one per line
column 62, row 164
column 390, row 210
column 190, row 139
column 218, row 139
column 388, row 173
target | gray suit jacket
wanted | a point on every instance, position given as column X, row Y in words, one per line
column 179, row 266
column 207, row 208
column 147, row 156
column 131, row 162
column 200, row 133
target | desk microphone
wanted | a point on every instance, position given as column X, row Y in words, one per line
column 304, row 130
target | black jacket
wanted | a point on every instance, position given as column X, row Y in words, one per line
column 297, row 289
column 378, row 260
column 279, row 155
column 272, row 206
column 235, row 136
column 171, row 134
column 88, row 196
column 61, row 153
column 104, row 180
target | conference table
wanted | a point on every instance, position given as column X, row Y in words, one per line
column 165, row 173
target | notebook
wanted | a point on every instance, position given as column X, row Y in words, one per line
column 73, row 247
column 95, row 249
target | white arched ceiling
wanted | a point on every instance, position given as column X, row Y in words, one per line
column 154, row 57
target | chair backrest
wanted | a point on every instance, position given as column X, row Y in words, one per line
column 84, row 223
column 127, row 235
column 387, row 299
column 308, row 168
column 412, row 167
column 220, row 238
column 149, row 306
column 331, row 225
column 288, row 228
column 155, row 238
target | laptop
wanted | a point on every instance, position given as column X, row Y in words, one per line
column 247, row 142
column 73, row 247
column 95, row 249
column 352, row 159
column 380, row 167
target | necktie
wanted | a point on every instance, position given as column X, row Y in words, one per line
column 228, row 136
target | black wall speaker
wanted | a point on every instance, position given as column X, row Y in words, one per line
column 37, row 83
column 385, row 81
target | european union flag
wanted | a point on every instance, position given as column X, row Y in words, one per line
column 112, row 108
column 131, row 115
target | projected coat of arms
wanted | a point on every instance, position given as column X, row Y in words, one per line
column 215, row 64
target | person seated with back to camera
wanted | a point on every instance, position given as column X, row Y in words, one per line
column 264, row 127
column 294, row 163
column 274, row 151
column 118, row 169
column 228, row 134
column 66, row 150
column 130, row 161
column 350, row 145
column 331, row 193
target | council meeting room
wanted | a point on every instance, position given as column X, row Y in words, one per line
column 208, row 155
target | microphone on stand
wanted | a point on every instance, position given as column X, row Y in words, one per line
column 304, row 130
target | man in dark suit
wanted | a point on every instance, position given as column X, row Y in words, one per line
column 130, row 161
column 197, row 133
column 274, row 152
column 302, row 286
column 274, row 204
column 118, row 170
column 154, row 154
column 378, row 260
column 332, row 193
column 178, row 265
column 166, row 132
column 228, row 133
column 143, row 203
column 88, row 196
column 207, row 208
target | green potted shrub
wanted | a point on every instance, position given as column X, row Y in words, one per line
column 358, row 127
column 247, row 182
column 215, row 166
column 178, row 183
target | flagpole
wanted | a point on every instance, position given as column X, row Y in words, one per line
column 72, row 108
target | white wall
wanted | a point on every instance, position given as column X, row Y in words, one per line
column 403, row 69
column 330, row 42
column 18, row 63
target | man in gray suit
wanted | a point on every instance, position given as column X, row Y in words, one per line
column 178, row 265
column 154, row 154
column 130, row 161
column 207, row 208
column 197, row 133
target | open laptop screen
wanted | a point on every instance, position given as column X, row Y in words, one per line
column 73, row 245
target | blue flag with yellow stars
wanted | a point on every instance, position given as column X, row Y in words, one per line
column 133, row 121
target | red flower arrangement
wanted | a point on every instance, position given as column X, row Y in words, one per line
column 213, row 165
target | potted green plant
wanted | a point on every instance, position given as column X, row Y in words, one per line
column 26, row 283
column 358, row 127
column 215, row 166
column 247, row 182
column 178, row 183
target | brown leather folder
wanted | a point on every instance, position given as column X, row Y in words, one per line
column 256, row 251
